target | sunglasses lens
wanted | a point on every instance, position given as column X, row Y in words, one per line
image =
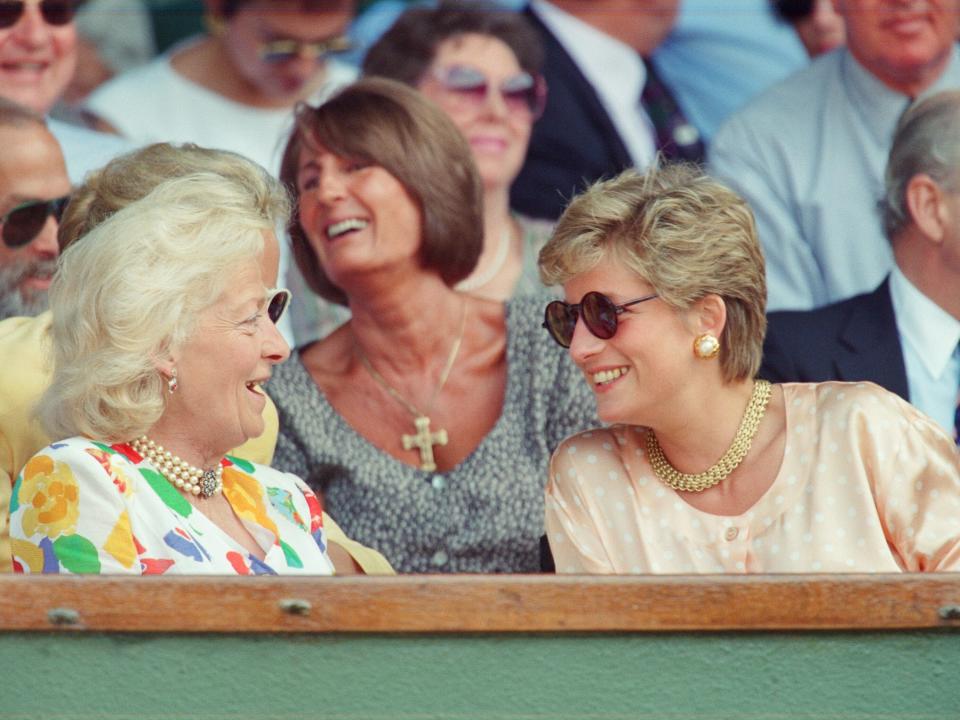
column 560, row 320
column 520, row 93
column 599, row 315
column 465, row 81
column 278, row 305
column 10, row 12
column 58, row 12
column 24, row 224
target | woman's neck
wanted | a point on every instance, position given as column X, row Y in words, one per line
column 695, row 434
column 497, row 269
column 180, row 439
column 408, row 324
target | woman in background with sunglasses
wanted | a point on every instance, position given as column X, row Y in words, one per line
column 428, row 418
column 163, row 331
column 705, row 469
column 481, row 65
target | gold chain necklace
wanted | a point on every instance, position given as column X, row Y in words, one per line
column 181, row 474
column 731, row 458
column 423, row 439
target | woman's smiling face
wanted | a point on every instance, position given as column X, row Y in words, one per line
column 356, row 215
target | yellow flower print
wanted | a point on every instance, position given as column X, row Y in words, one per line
column 245, row 495
column 50, row 497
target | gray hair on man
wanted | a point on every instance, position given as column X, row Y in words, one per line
column 926, row 141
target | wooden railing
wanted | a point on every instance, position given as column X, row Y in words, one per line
column 480, row 604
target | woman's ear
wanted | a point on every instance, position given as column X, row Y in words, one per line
column 709, row 315
column 165, row 363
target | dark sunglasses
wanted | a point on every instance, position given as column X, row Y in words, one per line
column 284, row 49
column 277, row 301
column 522, row 93
column 599, row 314
column 22, row 224
column 54, row 12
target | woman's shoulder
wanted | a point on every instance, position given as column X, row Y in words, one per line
column 77, row 448
column 845, row 397
column 596, row 447
column 839, row 407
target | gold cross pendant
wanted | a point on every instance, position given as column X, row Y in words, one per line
column 424, row 441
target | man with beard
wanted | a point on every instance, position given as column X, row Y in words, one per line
column 33, row 190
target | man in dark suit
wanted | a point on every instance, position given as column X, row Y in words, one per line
column 595, row 124
column 903, row 335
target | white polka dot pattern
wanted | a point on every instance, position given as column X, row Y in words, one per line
column 867, row 484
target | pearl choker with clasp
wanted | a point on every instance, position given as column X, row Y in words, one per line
column 181, row 474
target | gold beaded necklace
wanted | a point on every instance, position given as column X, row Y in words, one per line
column 731, row 458
column 181, row 474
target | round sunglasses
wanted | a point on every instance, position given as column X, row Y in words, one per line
column 523, row 93
column 22, row 224
column 599, row 314
column 54, row 12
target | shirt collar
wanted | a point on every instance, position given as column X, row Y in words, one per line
column 595, row 53
column 931, row 332
column 881, row 107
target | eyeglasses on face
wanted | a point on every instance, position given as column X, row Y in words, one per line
column 54, row 12
column 599, row 314
column 284, row 49
column 277, row 301
column 22, row 224
column 522, row 94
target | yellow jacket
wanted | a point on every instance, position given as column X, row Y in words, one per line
column 26, row 374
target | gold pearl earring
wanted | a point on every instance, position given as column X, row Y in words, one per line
column 706, row 346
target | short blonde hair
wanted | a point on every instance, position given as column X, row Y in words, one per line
column 682, row 232
column 131, row 289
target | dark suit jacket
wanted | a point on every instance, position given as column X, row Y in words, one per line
column 572, row 145
column 853, row 340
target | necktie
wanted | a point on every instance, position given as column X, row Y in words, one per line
column 677, row 138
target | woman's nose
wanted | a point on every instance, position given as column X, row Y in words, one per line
column 330, row 187
column 584, row 344
column 275, row 348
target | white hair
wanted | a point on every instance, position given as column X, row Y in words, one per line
column 131, row 290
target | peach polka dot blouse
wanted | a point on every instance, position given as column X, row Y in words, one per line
column 867, row 484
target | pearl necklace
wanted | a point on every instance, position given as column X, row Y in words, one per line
column 496, row 265
column 731, row 458
column 180, row 473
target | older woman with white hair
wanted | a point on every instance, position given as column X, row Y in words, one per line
column 705, row 469
column 163, row 331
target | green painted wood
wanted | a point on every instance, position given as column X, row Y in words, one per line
column 749, row 676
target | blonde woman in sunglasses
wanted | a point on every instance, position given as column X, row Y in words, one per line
column 704, row 468
column 163, row 331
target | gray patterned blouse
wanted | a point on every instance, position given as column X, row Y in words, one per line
column 486, row 514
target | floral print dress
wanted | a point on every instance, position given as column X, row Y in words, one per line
column 80, row 506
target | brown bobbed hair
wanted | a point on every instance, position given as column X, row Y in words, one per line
column 406, row 51
column 385, row 123
column 685, row 234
